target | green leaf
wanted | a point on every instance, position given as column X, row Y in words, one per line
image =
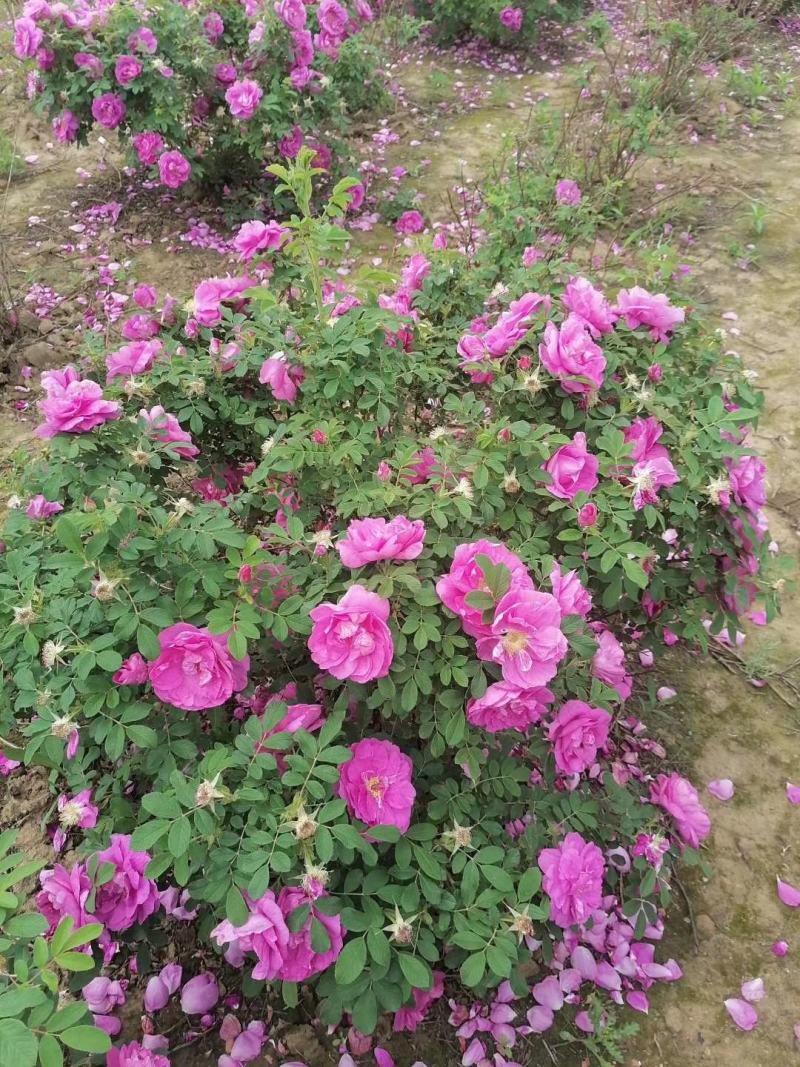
column 235, row 908
column 75, row 961
column 69, row 536
column 473, row 969
column 379, row 947
column 180, row 834
column 144, row 837
column 351, row 961
column 529, row 883
column 164, row 807
column 147, row 642
column 18, row 1046
column 15, row 1001
column 86, row 1039
column 68, row 1016
column 50, row 1054
column 415, row 971
column 29, row 924
column 320, row 938
column 365, row 1012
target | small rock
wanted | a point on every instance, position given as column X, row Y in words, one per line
column 674, row 1019
column 39, row 355
column 46, row 326
column 27, row 319
column 706, row 927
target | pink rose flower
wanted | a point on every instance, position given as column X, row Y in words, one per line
column 371, row 540
column 148, row 146
column 77, row 810
column 143, row 40
column 102, row 995
column 573, row 879
column 350, row 639
column 132, row 672
column 145, row 296
column 573, row 469
column 129, row 897
column 376, row 784
column 77, row 408
column 65, row 127
column 27, row 38
column 746, row 475
column 511, row 18
column 134, row 1055
column 572, row 597
column 648, row 477
column 165, row 428
column 465, row 577
column 282, row 378
column 640, row 308
column 264, row 932
column 568, row 193
column 292, row 13
column 162, row 985
column 225, row 73
column 108, row 110
column 291, row 144
column 256, row 236
column 507, row 707
column 608, row 664
column 195, row 670
column 333, row 18
column 577, row 732
column 569, row 354
column 174, row 169
column 303, row 45
column 525, row 638
column 679, row 799
column 410, row 1016
column 243, row 98
column 140, row 327
column 211, row 294
column 127, row 69
column 300, row 960
column 410, row 222
column 40, row 509
column 643, row 434
column 587, row 515
column 213, row 27
column 64, row 892
column 200, row 994
column 589, row 304
column 135, row 358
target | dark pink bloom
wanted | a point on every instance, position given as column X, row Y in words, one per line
column 174, row 169
column 77, row 408
column 608, row 664
column 129, row 897
column 132, row 672
column 291, row 144
column 640, row 308
column 211, row 294
column 140, row 327
column 371, row 540
column 573, row 469
column 648, row 477
column 587, row 515
column 300, row 960
column 376, row 784
column 507, row 707
column 145, row 296
column 350, row 639
column 165, row 428
column 465, row 576
column 410, row 222
column 225, row 73
column 292, row 13
column 264, row 932
column 27, row 38
column 213, row 26
column 148, row 146
column 195, row 670
column 589, row 304
column 746, row 476
column 572, row 597
column 644, row 434
column 525, row 638
column 127, row 69
column 254, row 237
column 143, row 40
column 108, row 110
column 303, row 44
column 134, row 1055
column 511, row 18
column 577, row 733
column 282, row 378
column 680, row 800
column 42, row 509
column 135, row 358
column 65, row 127
column 569, row 354
column 573, row 879
column 64, row 892
column 568, row 193
column 86, row 61
column 410, row 1016
column 333, row 18
column 243, row 98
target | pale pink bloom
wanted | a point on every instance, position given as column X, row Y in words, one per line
column 127, row 69
column 525, row 638
column 648, row 477
column 282, row 378
column 300, row 960
column 174, row 901
column 410, row 1016
column 572, row 597
column 212, row 293
column 507, row 707
column 573, row 879
column 161, row 987
column 148, row 146
column 77, row 810
column 531, row 256
column 372, row 540
column 39, row 508
column 195, row 670
column 788, row 894
column 27, row 38
column 64, row 892
column 134, row 358
column 573, row 469
column 465, row 576
column 256, row 236
column 292, row 13
column 540, row 1019
column 410, row 222
column 721, row 788
column 77, row 408
column 132, row 672
column 333, row 18
column 577, row 733
column 350, row 639
column 200, row 993
column 174, row 169
column 679, row 799
column 742, row 1013
column 793, row 793
column 608, row 664
column 86, row 61
column 213, row 26
column 590, row 305
column 129, row 897
column 134, row 1055
column 145, row 296
column 8, row 765
column 264, row 932
column 143, row 40
column 570, row 354
column 640, row 308
column 65, row 127
column 102, row 995
column 548, row 993
column 568, row 193
column 163, row 427
column 243, row 98
column 108, row 110
column 376, row 784
column 746, row 477
column 511, row 18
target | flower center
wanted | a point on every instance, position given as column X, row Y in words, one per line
column 70, row 814
column 514, row 642
column 345, row 630
column 194, row 665
column 375, row 787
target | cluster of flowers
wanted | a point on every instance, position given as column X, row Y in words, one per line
column 117, row 70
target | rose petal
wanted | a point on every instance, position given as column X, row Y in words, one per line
column 540, row 1018
column 780, row 948
column 753, row 991
column 638, row 1000
column 793, row 793
column 665, row 693
column 721, row 788
column 788, row 894
column 742, row 1013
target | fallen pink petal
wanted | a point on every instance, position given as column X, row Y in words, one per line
column 721, row 788
column 742, row 1013
column 788, row 894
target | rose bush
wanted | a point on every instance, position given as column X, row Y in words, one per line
column 202, row 93
column 506, row 22
column 350, row 681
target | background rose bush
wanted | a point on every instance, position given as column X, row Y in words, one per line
column 203, row 93
column 366, row 754
column 500, row 21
